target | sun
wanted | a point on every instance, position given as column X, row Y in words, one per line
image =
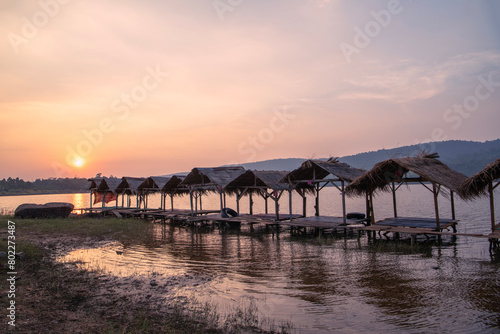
column 78, row 162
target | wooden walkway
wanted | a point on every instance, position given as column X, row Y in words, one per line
column 412, row 226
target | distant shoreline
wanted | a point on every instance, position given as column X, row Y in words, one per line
column 45, row 192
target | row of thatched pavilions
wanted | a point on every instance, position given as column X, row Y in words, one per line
column 310, row 178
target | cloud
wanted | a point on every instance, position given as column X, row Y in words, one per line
column 408, row 80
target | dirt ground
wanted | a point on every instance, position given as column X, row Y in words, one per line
column 53, row 297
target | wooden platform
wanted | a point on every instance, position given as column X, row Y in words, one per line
column 416, row 222
column 323, row 222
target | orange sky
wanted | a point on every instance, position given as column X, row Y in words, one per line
column 157, row 87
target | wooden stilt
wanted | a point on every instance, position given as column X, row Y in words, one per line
column 250, row 204
column 492, row 206
column 452, row 199
column 317, row 200
column 344, row 213
column 435, row 192
column 394, row 204
column 290, row 203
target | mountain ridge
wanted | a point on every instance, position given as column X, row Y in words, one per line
column 466, row 157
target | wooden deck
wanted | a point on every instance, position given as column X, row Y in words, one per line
column 416, row 222
column 323, row 222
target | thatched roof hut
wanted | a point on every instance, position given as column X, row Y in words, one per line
column 312, row 171
column 94, row 183
column 258, row 182
column 130, row 185
column 108, row 185
column 253, row 181
column 482, row 183
column 390, row 174
column 478, row 184
column 172, row 187
column 426, row 167
column 314, row 175
column 212, row 179
column 201, row 180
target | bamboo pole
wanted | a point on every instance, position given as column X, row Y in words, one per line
column 492, row 206
column 191, row 201
column 436, row 206
column 372, row 211
column 238, row 203
column 250, row 204
column 452, row 199
column 394, row 203
column 317, row 200
column 342, row 183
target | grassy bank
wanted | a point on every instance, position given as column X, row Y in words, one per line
column 55, row 297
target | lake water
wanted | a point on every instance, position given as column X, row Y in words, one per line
column 342, row 285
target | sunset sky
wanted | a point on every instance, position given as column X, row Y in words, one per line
column 155, row 87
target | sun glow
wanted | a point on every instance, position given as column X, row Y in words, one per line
column 78, row 162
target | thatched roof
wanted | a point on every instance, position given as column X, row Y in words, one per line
column 152, row 184
column 129, row 185
column 108, row 185
column 427, row 167
column 314, row 170
column 212, row 179
column 94, row 183
column 477, row 184
column 174, row 186
column 256, row 181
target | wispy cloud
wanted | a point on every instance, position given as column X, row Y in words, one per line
column 408, row 80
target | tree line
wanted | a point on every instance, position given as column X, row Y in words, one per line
column 11, row 186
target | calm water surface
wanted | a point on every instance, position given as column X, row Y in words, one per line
column 330, row 284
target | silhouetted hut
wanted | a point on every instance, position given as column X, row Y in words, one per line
column 172, row 188
column 316, row 174
column 484, row 183
column 390, row 174
column 202, row 180
column 93, row 185
column 129, row 186
column 106, row 191
column 264, row 183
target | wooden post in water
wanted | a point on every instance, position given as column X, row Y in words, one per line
column 452, row 199
column 372, row 212
column 394, row 204
column 436, row 206
column 191, row 201
column 221, row 201
column 250, row 204
column 266, row 205
column 91, row 199
column 290, row 202
column 342, row 183
column 317, row 200
column 492, row 206
column 277, row 208
column 172, row 201
column 237, row 203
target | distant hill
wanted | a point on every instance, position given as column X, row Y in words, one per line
column 467, row 157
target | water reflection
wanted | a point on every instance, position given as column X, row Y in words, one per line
column 333, row 284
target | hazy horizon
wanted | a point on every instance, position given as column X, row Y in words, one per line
column 158, row 87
